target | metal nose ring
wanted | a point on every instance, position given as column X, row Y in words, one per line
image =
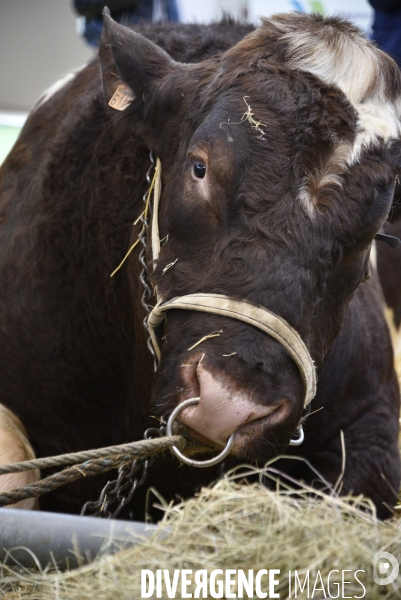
column 189, row 461
column 301, row 436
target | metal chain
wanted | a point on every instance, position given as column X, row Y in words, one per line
column 113, row 490
column 128, row 478
column 147, row 291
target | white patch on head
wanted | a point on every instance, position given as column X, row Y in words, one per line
column 327, row 176
column 53, row 89
column 376, row 120
column 305, row 199
column 350, row 62
column 341, row 56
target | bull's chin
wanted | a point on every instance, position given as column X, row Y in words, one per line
column 257, row 441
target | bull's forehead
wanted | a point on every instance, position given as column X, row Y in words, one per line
column 275, row 124
column 323, row 79
column 277, row 144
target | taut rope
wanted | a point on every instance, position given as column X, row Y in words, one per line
column 91, row 462
column 134, row 449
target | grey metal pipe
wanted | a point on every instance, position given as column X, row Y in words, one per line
column 35, row 538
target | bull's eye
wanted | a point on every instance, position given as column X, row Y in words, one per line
column 199, row 170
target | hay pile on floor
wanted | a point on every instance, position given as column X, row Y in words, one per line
column 234, row 526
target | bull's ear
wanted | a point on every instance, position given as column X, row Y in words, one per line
column 130, row 64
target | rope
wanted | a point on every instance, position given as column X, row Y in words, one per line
column 98, row 463
column 95, row 462
column 245, row 311
column 88, row 468
column 140, row 448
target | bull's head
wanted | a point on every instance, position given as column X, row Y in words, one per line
column 279, row 161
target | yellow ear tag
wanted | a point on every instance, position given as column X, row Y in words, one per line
column 122, row 97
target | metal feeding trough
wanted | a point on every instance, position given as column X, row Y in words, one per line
column 34, row 539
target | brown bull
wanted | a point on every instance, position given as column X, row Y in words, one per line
column 279, row 158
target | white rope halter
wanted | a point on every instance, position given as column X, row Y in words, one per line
column 261, row 318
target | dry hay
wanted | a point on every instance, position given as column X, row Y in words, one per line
column 235, row 526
